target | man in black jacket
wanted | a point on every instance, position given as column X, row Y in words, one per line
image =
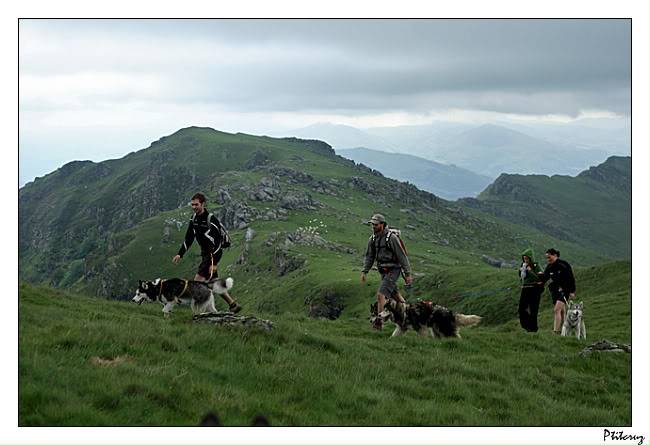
column 204, row 227
column 562, row 287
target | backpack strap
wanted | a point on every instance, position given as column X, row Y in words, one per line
column 399, row 241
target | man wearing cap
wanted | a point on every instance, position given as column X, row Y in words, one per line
column 385, row 247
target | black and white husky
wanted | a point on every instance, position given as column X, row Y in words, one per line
column 173, row 291
column 574, row 321
column 424, row 317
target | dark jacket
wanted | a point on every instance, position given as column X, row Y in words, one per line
column 530, row 277
column 206, row 232
column 387, row 251
column 561, row 276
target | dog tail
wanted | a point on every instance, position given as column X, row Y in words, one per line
column 467, row 320
column 229, row 283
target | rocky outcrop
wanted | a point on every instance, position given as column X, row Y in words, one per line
column 605, row 346
column 361, row 184
column 297, row 199
column 259, row 158
column 233, row 213
column 236, row 214
column 307, row 238
column 268, row 189
column 291, row 176
column 285, row 261
column 229, row 319
column 326, row 304
column 275, row 215
column 497, row 262
column 295, row 177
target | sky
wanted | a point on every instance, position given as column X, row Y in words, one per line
column 99, row 89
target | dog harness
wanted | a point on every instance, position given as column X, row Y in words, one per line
column 176, row 298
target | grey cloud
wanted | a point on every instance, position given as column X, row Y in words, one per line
column 516, row 66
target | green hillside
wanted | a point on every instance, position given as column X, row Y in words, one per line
column 87, row 361
column 99, row 228
column 296, row 213
column 592, row 209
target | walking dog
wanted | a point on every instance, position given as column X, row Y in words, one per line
column 173, row 291
column 425, row 318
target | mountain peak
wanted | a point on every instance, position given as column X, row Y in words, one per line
column 616, row 171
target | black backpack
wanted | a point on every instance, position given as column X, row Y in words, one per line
column 226, row 241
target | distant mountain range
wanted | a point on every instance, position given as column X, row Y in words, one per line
column 447, row 181
column 531, row 148
column 492, row 150
column 592, row 209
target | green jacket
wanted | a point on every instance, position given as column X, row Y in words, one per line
column 529, row 277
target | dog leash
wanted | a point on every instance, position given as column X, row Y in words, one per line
column 211, row 266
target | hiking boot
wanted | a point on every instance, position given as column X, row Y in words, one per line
column 234, row 307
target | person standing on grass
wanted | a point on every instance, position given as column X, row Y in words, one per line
column 386, row 248
column 562, row 286
column 532, row 287
column 205, row 227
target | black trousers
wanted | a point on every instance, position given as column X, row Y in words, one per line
column 529, row 307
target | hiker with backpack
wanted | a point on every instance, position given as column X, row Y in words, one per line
column 386, row 247
column 212, row 236
column 532, row 287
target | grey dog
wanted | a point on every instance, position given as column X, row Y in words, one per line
column 574, row 321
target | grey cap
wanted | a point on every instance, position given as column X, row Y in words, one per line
column 377, row 218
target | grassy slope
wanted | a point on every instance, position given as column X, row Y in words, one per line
column 311, row 372
column 176, row 371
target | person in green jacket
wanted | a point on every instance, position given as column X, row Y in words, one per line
column 532, row 287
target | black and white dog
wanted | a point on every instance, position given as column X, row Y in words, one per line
column 574, row 321
column 424, row 317
column 173, row 291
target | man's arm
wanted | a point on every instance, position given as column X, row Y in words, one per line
column 370, row 256
column 214, row 234
column 189, row 239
